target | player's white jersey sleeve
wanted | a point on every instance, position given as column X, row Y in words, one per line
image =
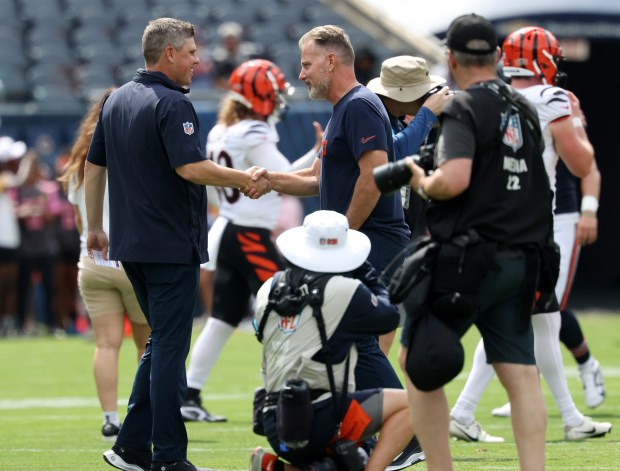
column 232, row 146
column 551, row 103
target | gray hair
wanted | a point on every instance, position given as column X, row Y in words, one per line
column 331, row 37
column 164, row 32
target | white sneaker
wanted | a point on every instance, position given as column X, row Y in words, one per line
column 588, row 429
column 472, row 432
column 411, row 455
column 502, row 411
column 192, row 411
column 593, row 385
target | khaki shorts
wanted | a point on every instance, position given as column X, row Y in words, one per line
column 107, row 290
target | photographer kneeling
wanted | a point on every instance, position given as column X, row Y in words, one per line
column 308, row 319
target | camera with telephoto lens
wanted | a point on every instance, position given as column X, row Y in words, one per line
column 391, row 176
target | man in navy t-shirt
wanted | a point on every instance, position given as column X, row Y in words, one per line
column 357, row 139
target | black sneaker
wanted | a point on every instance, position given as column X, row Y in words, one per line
column 176, row 466
column 109, row 431
column 192, row 411
column 411, row 455
column 128, row 459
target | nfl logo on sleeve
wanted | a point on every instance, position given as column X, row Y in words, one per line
column 188, row 128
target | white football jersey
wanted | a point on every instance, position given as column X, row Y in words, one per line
column 551, row 103
column 241, row 146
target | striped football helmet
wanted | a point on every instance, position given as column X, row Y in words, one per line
column 533, row 52
column 260, row 85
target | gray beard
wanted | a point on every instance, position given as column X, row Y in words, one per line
column 319, row 91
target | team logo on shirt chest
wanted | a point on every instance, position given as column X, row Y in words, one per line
column 513, row 137
column 188, row 128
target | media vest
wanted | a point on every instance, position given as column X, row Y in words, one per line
column 509, row 198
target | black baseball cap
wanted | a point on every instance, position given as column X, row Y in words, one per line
column 472, row 34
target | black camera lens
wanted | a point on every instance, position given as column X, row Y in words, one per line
column 294, row 413
column 346, row 455
column 391, row 176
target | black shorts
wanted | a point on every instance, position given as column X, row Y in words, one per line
column 500, row 315
column 246, row 259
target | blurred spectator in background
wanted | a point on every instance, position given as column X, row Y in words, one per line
column 365, row 64
column 13, row 171
column 204, row 71
column 231, row 52
column 107, row 291
column 37, row 211
column 46, row 148
column 68, row 255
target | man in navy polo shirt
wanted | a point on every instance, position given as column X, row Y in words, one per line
column 146, row 141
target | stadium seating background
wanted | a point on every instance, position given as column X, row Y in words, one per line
column 57, row 55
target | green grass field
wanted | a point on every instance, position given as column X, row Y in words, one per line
column 50, row 417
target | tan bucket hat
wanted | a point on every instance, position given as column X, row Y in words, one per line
column 404, row 79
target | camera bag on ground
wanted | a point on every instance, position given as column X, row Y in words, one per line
column 296, row 289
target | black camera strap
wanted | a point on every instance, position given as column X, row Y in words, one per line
column 530, row 116
column 286, row 295
column 316, row 301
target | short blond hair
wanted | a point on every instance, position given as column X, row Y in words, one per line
column 164, row 32
column 331, row 38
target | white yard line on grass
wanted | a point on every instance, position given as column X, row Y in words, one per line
column 69, row 402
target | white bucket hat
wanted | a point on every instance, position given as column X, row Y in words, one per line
column 11, row 149
column 404, row 79
column 324, row 244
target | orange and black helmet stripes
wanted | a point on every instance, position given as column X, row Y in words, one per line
column 532, row 51
column 257, row 84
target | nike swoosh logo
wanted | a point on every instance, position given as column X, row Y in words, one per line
column 588, row 431
column 473, row 439
column 366, row 139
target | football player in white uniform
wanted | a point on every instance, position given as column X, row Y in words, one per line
column 240, row 239
column 578, row 199
column 531, row 58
